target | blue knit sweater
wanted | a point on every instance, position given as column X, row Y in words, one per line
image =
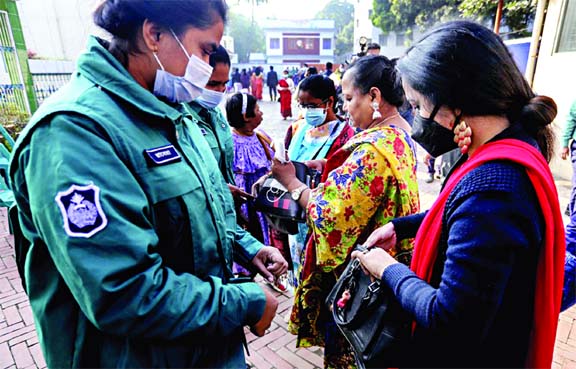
column 478, row 309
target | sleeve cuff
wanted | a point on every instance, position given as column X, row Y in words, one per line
column 407, row 227
column 256, row 302
column 246, row 246
column 394, row 273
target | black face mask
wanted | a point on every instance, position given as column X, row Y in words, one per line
column 433, row 137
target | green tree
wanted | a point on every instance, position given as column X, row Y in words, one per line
column 516, row 15
column 342, row 13
column 400, row 15
column 248, row 37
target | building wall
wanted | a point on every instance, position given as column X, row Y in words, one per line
column 57, row 29
column 392, row 45
column 555, row 74
column 295, row 42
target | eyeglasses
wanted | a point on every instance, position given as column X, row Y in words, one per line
column 313, row 106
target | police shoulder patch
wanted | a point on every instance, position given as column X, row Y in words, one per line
column 81, row 210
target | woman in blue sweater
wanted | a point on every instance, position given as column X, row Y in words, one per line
column 485, row 283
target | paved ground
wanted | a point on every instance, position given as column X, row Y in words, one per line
column 19, row 346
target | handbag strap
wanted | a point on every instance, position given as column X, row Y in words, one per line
column 265, row 142
column 327, row 139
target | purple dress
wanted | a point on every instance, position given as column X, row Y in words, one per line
column 250, row 164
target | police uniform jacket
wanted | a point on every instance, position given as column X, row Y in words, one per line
column 131, row 229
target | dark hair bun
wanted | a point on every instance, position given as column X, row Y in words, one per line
column 111, row 16
column 539, row 112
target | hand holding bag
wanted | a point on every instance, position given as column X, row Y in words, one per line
column 369, row 316
column 276, row 202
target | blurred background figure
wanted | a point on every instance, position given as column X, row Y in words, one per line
column 373, row 49
column 285, row 89
column 272, row 83
column 257, row 83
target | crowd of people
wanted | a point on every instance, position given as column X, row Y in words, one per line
column 141, row 237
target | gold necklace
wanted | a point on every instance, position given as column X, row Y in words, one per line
column 385, row 120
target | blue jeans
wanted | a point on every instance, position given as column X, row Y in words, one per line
column 431, row 163
column 573, row 192
column 569, row 291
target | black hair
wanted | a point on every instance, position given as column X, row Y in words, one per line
column 329, row 65
column 380, row 72
column 271, row 67
column 123, row 19
column 220, row 56
column 234, row 109
column 312, row 71
column 320, row 87
column 373, row 46
column 466, row 66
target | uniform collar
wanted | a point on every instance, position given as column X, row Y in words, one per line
column 99, row 66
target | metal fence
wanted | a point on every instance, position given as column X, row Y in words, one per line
column 12, row 91
column 46, row 84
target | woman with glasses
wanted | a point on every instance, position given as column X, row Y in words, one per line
column 311, row 140
column 368, row 181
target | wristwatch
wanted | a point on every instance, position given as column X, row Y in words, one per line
column 295, row 194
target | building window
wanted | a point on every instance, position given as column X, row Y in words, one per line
column 326, row 43
column 567, row 34
column 274, row 43
column 383, row 39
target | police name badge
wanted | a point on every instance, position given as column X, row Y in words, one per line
column 81, row 210
column 162, row 155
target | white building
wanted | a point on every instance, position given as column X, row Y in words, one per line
column 299, row 41
column 57, row 29
column 555, row 74
column 392, row 44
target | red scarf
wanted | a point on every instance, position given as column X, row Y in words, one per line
column 550, row 270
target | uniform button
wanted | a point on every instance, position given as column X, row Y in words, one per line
column 223, row 125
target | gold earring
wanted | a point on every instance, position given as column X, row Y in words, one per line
column 463, row 136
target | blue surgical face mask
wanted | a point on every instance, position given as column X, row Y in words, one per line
column 315, row 116
column 210, row 99
column 186, row 88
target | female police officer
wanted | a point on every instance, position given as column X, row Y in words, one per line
column 129, row 221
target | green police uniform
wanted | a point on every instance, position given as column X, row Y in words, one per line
column 216, row 131
column 131, row 229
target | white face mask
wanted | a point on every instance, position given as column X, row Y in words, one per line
column 210, row 99
column 182, row 89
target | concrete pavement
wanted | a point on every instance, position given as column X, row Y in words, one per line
column 19, row 346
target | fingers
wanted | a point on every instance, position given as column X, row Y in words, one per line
column 262, row 270
column 277, row 268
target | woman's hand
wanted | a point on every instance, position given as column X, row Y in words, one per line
column 239, row 195
column 375, row 261
column 565, row 153
column 259, row 329
column 270, row 263
column 285, row 173
column 383, row 237
column 317, row 164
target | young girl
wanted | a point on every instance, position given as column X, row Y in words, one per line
column 253, row 155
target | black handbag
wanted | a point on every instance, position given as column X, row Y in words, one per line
column 371, row 319
column 276, row 203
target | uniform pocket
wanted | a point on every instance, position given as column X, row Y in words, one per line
column 167, row 187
